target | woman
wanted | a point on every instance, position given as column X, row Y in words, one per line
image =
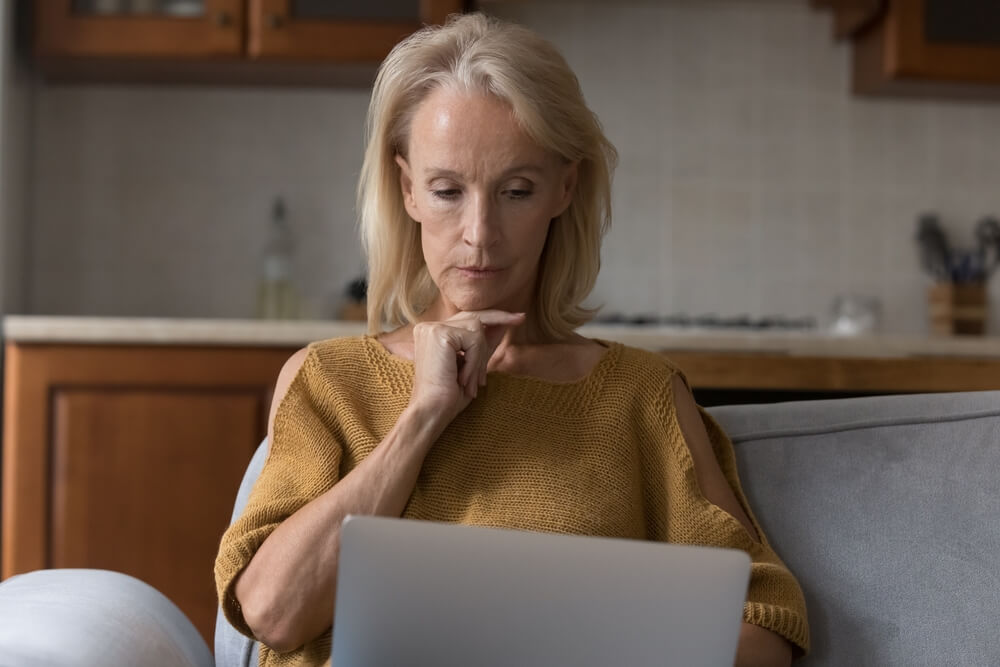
column 483, row 198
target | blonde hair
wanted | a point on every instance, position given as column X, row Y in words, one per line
column 483, row 54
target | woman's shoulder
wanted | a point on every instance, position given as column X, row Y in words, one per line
column 326, row 368
column 332, row 350
column 322, row 353
column 307, row 362
column 640, row 362
column 323, row 360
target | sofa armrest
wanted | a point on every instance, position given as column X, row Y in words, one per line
column 71, row 617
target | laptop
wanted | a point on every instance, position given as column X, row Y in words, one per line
column 424, row 594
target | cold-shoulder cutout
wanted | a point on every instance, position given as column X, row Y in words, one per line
column 711, row 480
column 285, row 377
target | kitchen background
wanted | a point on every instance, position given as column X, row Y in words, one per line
column 751, row 180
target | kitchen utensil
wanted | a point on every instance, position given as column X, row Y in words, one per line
column 988, row 242
column 935, row 252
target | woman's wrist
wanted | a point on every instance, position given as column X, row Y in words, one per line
column 423, row 423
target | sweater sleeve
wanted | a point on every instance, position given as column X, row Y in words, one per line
column 303, row 462
column 774, row 597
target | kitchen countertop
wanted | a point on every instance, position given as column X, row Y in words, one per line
column 30, row 329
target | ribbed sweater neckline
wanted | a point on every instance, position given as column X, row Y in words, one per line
column 522, row 391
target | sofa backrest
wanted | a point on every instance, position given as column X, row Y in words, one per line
column 232, row 648
column 887, row 509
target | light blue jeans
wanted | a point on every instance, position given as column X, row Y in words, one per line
column 76, row 618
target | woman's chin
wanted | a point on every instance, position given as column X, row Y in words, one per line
column 471, row 300
column 469, row 305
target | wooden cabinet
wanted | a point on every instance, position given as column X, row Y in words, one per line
column 922, row 47
column 128, row 458
column 338, row 30
column 268, row 41
column 65, row 28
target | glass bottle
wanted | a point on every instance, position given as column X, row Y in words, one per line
column 277, row 297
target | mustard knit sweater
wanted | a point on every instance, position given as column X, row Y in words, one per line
column 601, row 456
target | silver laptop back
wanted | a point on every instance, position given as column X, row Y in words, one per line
column 422, row 594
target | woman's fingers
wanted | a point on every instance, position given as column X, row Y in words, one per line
column 496, row 328
column 476, row 357
column 489, row 328
column 457, row 351
column 467, row 340
column 494, row 324
column 493, row 317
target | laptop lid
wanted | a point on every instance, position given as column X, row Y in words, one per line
column 417, row 593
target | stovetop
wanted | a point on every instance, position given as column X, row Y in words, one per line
column 713, row 321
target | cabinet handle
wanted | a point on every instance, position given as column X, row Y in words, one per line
column 276, row 21
column 224, row 19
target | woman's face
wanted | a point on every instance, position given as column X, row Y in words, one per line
column 484, row 194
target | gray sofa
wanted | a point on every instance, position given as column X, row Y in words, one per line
column 887, row 509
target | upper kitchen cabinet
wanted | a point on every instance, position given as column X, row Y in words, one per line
column 225, row 41
column 344, row 30
column 922, row 47
column 139, row 28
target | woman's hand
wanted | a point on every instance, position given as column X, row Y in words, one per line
column 450, row 358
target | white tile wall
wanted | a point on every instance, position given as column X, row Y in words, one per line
column 769, row 188
column 156, row 201
column 751, row 181
column 16, row 85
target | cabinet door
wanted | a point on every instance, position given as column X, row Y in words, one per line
column 178, row 29
column 129, row 459
column 950, row 39
column 920, row 44
column 338, row 30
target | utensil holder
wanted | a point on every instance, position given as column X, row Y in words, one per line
column 957, row 308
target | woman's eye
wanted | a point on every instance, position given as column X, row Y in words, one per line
column 447, row 193
column 518, row 194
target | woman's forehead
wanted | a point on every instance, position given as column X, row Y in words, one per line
column 461, row 127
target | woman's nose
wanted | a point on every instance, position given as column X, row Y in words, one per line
column 479, row 228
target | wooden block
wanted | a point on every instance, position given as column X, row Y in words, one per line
column 957, row 308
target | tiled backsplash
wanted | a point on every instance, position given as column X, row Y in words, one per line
column 751, row 180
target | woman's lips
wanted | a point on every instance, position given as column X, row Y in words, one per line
column 479, row 272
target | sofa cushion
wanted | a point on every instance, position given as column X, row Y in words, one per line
column 886, row 509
